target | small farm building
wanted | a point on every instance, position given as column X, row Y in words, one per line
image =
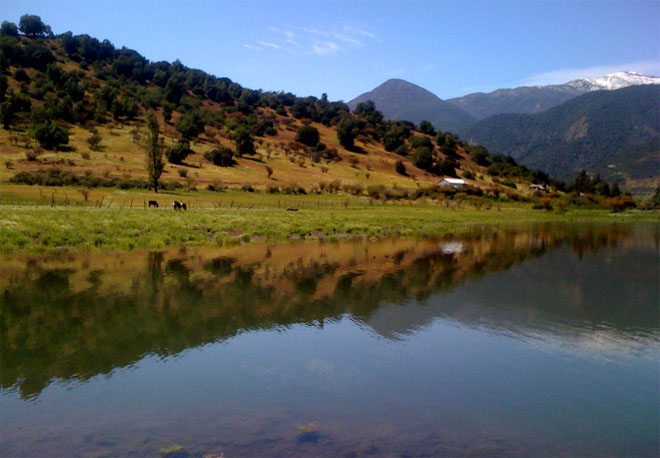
column 452, row 182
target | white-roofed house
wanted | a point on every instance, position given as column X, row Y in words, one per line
column 456, row 183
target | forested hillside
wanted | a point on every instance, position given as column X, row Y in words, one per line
column 533, row 99
column 77, row 110
column 614, row 133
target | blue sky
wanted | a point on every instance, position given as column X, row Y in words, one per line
column 345, row 48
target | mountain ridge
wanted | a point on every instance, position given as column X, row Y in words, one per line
column 611, row 132
column 536, row 99
column 401, row 100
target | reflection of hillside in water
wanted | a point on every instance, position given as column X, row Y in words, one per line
column 73, row 316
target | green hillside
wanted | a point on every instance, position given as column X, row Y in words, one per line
column 532, row 99
column 75, row 111
column 614, row 133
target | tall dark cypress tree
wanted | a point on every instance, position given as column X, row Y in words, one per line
column 154, row 150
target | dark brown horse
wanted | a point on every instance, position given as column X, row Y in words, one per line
column 153, row 203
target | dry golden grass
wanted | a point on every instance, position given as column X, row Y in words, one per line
column 119, row 156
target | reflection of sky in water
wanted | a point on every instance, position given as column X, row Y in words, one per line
column 550, row 354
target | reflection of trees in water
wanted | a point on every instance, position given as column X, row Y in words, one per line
column 587, row 241
column 50, row 330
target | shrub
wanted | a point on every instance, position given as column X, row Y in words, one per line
column 190, row 125
column 50, row 135
column 480, row 155
column 244, row 142
column 247, row 188
column 356, row 189
column 20, row 75
column 447, row 167
column 376, row 191
column 426, row 127
column 400, row 168
column 544, row 204
column 422, row 158
column 402, row 150
column 94, row 141
column 177, row 153
column 293, row 189
column 33, row 154
column 307, row 135
column 621, row 202
column 222, row 157
column 216, row 186
column 58, row 177
column 419, row 142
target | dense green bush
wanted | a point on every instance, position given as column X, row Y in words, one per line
column 223, row 157
column 244, row 142
column 422, row 158
column 400, row 168
column 59, row 177
column 419, row 142
column 177, row 154
column 50, row 135
column 426, row 127
column 307, row 135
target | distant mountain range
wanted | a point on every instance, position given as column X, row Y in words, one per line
column 535, row 99
column 612, row 132
column 607, row 125
column 399, row 99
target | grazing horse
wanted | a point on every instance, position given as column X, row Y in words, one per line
column 153, row 203
column 177, row 205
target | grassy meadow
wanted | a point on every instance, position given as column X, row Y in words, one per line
column 37, row 219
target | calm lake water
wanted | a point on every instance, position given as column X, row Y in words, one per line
column 516, row 341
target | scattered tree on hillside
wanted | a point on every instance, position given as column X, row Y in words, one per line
column 191, row 125
column 426, row 127
column 50, row 134
column 8, row 28
column 347, row 130
column 243, row 141
column 307, row 135
column 222, row 157
column 422, row 158
column 32, row 26
column 94, row 141
column 178, row 153
column 418, row 142
column 154, row 151
column 400, row 168
column 446, row 167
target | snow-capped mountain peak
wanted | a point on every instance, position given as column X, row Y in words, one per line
column 613, row 81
